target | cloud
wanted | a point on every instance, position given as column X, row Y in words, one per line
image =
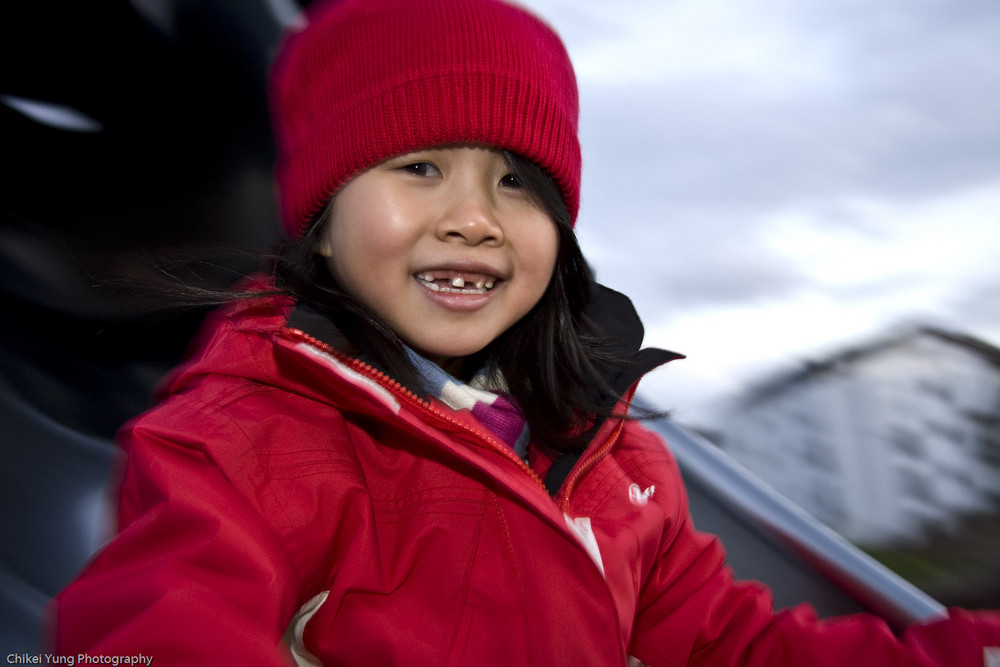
column 804, row 170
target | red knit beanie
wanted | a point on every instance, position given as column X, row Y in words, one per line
column 368, row 80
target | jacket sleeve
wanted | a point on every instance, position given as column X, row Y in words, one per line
column 195, row 576
column 692, row 612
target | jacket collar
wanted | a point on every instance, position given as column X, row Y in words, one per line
column 613, row 314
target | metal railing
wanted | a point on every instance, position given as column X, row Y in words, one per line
column 862, row 578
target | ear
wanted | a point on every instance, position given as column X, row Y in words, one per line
column 323, row 246
column 320, row 231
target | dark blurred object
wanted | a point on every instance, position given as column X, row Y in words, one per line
column 131, row 130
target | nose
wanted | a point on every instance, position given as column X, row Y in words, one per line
column 471, row 217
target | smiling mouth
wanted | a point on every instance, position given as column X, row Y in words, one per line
column 457, row 284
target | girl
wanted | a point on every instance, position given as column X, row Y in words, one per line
column 410, row 445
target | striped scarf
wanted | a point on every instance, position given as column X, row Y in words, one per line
column 485, row 396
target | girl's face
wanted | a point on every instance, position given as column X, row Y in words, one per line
column 444, row 246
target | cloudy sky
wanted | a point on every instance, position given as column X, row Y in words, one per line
column 774, row 180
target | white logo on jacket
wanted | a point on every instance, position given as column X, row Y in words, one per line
column 640, row 497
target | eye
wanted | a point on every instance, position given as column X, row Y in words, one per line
column 511, row 181
column 423, row 169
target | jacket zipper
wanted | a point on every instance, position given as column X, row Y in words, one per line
column 582, row 469
column 405, row 394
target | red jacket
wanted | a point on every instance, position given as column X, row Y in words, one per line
column 283, row 490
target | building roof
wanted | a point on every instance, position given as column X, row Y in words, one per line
column 840, row 361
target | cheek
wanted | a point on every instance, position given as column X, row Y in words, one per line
column 355, row 245
column 543, row 255
column 347, row 258
column 356, row 264
column 373, row 230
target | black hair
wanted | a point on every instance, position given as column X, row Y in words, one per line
column 550, row 358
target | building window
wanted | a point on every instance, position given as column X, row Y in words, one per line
column 916, row 485
column 907, row 442
column 936, row 389
column 819, row 455
column 989, row 449
column 947, row 432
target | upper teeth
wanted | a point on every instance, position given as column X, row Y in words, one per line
column 457, row 283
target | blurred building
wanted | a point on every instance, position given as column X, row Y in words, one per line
column 887, row 442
